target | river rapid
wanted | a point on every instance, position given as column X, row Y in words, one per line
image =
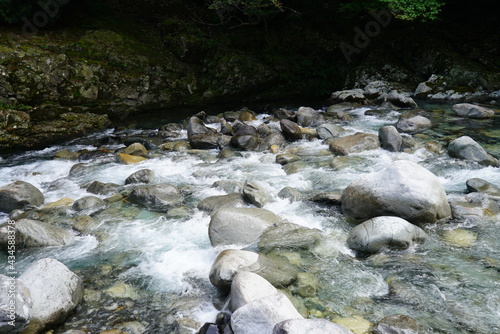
column 150, row 270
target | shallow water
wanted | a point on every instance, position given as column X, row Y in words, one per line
column 445, row 288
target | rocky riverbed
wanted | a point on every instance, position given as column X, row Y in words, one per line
column 370, row 216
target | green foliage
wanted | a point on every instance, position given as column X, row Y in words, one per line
column 415, row 9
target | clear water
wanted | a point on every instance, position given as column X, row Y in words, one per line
column 167, row 260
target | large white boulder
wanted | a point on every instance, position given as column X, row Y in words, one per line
column 403, row 189
column 227, row 264
column 15, row 305
column 247, row 287
column 55, row 291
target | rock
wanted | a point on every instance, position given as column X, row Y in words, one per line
column 122, row 290
column 474, row 208
column 291, row 130
column 66, row 155
column 376, row 90
column 377, row 234
column 292, row 194
column 195, row 127
column 19, row 194
column 400, row 100
column 295, row 167
column 229, row 186
column 65, row 201
column 308, row 117
column 261, row 315
column 245, row 138
column 79, row 169
column 205, row 142
column 275, row 268
column 88, row 204
column 283, row 113
column 143, row 141
column 312, row 326
column 286, row 158
column 288, row 236
column 355, row 143
column 160, row 197
column 136, row 149
column 352, row 95
column 34, row 233
column 141, row 176
column 396, row 324
column 255, row 195
column 274, row 139
column 390, row 139
column 247, row 287
column 85, row 224
column 128, row 159
column 15, row 305
column 403, row 189
column 307, row 285
column 472, row 111
column 55, row 291
column 243, row 226
column 247, row 116
column 264, row 130
column 100, row 188
column 228, row 153
column 459, row 238
column 213, row 203
column 411, row 123
column 330, row 131
column 467, row 148
column 356, row 324
column 483, row 186
column 227, row 263
column 330, row 198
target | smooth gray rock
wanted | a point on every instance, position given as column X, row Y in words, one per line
column 34, row 233
column 15, row 305
column 355, row 143
column 288, row 236
column 329, row 198
column 254, row 194
column 390, row 139
column 290, row 193
column 261, row 315
column 291, row 130
column 330, row 131
column 141, row 176
column 159, row 197
column 55, row 291
column 402, row 189
column 88, row 204
column 275, row 138
column 18, row 194
column 472, row 111
column 400, row 100
column 247, row 287
column 213, row 203
column 483, row 186
column 351, row 95
column 467, row 148
column 205, row 142
column 242, row 226
column 309, row 326
column 475, row 208
column 411, row 124
column 101, row 188
column 308, row 117
column 227, row 263
column 229, row 186
column 245, row 138
column 379, row 233
column 196, row 126
column 275, row 268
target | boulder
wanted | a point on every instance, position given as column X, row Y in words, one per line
column 285, row 158
column 288, row 236
column 390, row 139
column 15, row 305
column 290, row 193
column 261, row 315
column 274, row 139
column 474, row 208
column 247, row 287
column 379, row 233
column 329, row 198
column 196, row 126
column 355, row 143
column 483, row 186
column 159, row 197
column 396, row 324
column 18, row 194
column 88, row 204
column 213, row 203
column 227, row 263
column 141, row 176
column 330, row 131
column 411, row 123
column 312, row 326
column 55, row 292
column 308, row 117
column 291, row 130
column 206, row 142
column 403, row 189
column 351, row 95
column 128, row 159
column 254, row 194
column 400, row 100
column 472, row 111
column 467, row 148
column 243, row 226
column 245, row 138
column 275, row 268
column 247, row 116
column 34, row 233
column 136, row 149
column 66, row 155
column 101, row 188
column 229, row 186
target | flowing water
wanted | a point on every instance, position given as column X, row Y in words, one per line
column 159, row 264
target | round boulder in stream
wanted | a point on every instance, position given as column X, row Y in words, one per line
column 159, row 197
column 467, row 148
column 34, row 233
column 18, row 194
column 403, row 189
column 239, row 226
column 379, row 233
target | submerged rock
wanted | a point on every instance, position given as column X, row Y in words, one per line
column 378, row 233
column 459, row 238
column 403, row 189
column 396, row 324
column 18, row 194
column 467, row 148
column 316, row 326
column 55, row 290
